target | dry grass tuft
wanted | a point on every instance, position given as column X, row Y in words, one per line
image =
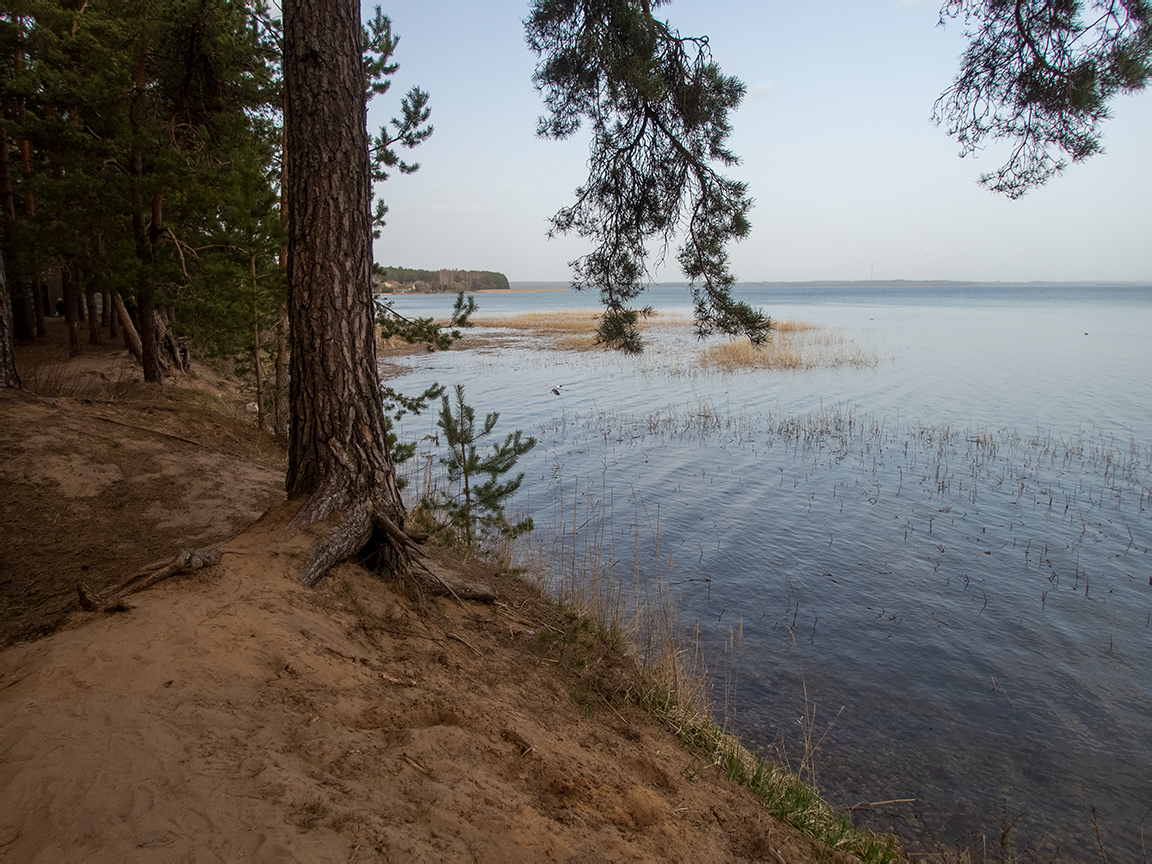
column 562, row 321
column 793, row 326
column 572, row 329
column 795, row 345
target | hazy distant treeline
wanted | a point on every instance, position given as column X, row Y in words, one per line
column 401, row 279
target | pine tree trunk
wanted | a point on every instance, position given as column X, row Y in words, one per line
column 8, row 376
column 40, row 304
column 145, row 235
column 337, row 451
column 22, row 307
column 256, row 366
column 145, row 303
column 107, row 319
column 281, row 410
column 71, row 312
column 93, row 320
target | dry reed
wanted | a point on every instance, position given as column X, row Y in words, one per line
column 797, row 345
column 571, row 329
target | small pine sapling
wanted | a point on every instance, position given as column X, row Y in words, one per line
column 479, row 508
column 436, row 338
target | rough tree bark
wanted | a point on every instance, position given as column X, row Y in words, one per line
column 8, row 376
column 338, row 457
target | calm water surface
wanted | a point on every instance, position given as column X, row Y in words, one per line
column 952, row 545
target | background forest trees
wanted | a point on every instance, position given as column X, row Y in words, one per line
column 141, row 154
column 139, row 160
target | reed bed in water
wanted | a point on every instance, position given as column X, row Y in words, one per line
column 795, row 345
column 571, row 329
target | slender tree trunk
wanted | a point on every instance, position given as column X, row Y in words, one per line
column 145, row 302
column 71, row 311
column 28, row 255
column 8, row 375
column 8, row 204
column 81, row 314
column 337, row 450
column 93, row 319
column 144, row 235
column 131, row 337
column 256, row 343
column 23, row 302
column 39, row 303
column 282, row 309
column 113, row 315
column 281, row 410
column 106, row 319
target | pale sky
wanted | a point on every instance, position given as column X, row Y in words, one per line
column 850, row 177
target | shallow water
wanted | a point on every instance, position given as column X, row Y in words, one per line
column 952, row 545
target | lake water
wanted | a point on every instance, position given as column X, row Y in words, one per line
column 944, row 556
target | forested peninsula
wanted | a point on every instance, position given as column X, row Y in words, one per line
column 404, row 280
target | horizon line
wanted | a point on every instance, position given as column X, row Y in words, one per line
column 1083, row 283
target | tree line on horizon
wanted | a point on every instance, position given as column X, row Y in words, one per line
column 436, row 281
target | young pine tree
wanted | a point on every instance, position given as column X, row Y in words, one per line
column 479, row 508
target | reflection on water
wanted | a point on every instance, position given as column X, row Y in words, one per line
column 953, row 545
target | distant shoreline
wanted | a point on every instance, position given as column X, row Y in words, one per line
column 515, row 290
column 873, row 283
column 910, row 284
column 939, row 283
column 477, row 291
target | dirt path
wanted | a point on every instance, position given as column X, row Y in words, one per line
column 95, row 489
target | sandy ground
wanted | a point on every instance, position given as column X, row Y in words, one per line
column 230, row 715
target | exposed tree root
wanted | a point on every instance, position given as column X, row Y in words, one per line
column 355, row 527
column 354, row 532
column 437, row 577
column 184, row 562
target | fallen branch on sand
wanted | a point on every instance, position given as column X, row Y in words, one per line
column 185, row 561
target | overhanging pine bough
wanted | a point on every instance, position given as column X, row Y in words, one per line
column 658, row 106
column 1040, row 74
